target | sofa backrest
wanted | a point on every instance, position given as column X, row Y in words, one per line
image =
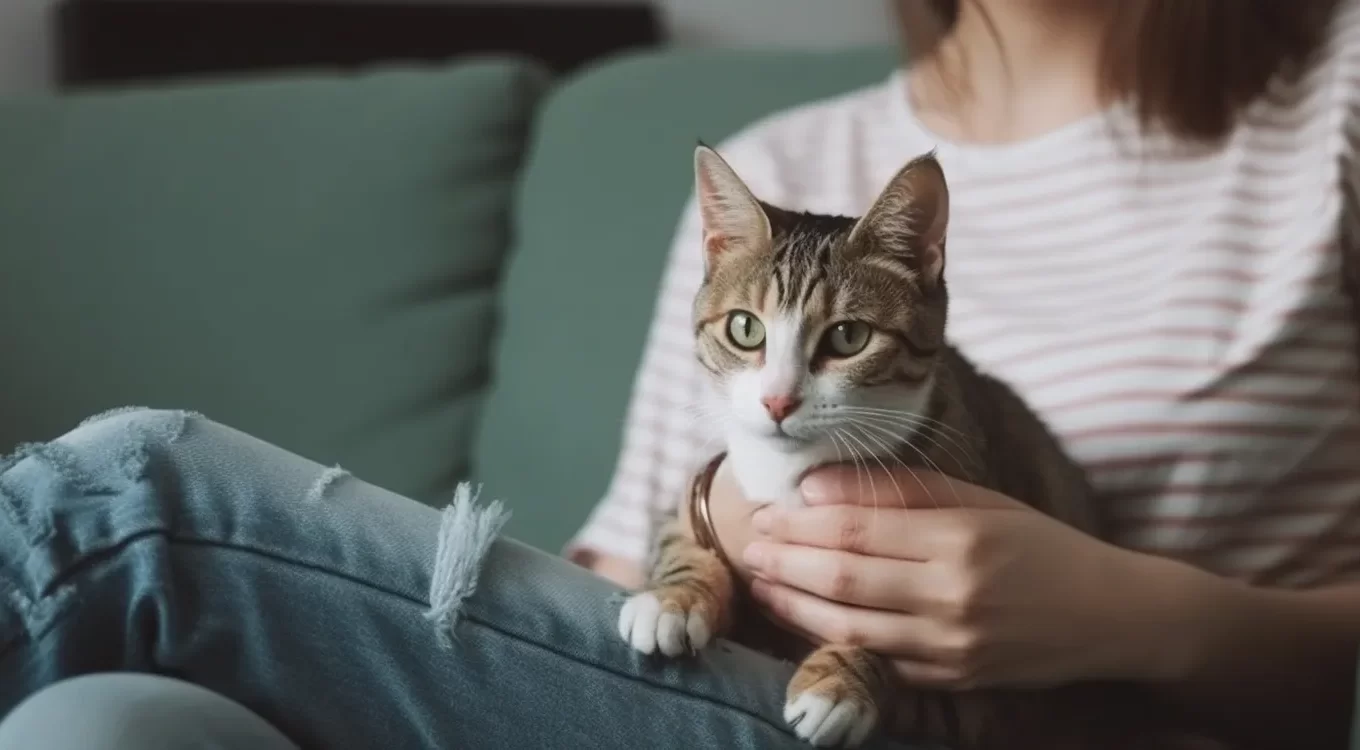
column 609, row 171
column 311, row 259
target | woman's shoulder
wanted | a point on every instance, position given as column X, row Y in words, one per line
column 1344, row 35
column 1337, row 71
column 1311, row 117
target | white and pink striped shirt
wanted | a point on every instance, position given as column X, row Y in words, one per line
column 1177, row 314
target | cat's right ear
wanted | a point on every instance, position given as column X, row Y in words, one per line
column 732, row 217
column 910, row 217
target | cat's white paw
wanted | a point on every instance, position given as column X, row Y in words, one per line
column 648, row 626
column 824, row 723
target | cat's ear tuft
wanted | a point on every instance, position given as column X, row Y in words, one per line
column 732, row 217
column 910, row 217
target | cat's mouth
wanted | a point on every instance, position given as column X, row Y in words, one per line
column 778, row 437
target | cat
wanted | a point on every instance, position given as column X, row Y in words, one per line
column 824, row 337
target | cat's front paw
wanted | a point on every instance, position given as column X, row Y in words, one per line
column 833, row 698
column 827, row 720
column 673, row 619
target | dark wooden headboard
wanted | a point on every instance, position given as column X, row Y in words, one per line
column 121, row 41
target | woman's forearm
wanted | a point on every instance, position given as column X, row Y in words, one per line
column 1271, row 668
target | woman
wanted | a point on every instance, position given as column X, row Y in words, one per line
column 1151, row 228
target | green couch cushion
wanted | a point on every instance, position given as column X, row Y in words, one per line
column 609, row 172
column 311, row 259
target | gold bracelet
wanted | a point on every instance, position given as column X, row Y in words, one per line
column 700, row 518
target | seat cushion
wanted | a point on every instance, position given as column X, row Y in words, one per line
column 311, row 259
column 608, row 175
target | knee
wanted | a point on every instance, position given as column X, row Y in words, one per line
column 106, row 453
column 118, row 442
column 132, row 424
column 119, row 711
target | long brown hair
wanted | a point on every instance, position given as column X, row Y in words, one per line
column 1188, row 66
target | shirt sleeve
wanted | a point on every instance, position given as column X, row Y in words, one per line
column 665, row 440
column 662, row 438
column 1332, row 556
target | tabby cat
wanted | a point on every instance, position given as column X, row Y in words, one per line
column 809, row 325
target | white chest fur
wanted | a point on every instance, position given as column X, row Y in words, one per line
column 770, row 472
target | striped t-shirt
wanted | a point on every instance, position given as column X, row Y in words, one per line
column 1178, row 314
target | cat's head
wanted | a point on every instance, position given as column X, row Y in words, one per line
column 821, row 330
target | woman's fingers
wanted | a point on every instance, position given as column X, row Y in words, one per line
column 920, row 650
column 830, row 622
column 851, row 528
column 923, row 674
column 846, row 577
column 901, row 488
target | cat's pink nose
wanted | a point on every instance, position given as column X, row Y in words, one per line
column 780, row 407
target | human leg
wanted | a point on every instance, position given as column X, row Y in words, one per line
column 164, row 542
column 128, row 711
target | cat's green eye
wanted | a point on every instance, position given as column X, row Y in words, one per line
column 745, row 331
column 846, row 339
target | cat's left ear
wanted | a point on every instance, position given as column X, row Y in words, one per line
column 909, row 218
column 733, row 218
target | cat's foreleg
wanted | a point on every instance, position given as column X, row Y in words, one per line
column 837, row 696
column 686, row 602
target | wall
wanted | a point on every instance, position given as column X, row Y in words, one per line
column 817, row 24
column 24, row 45
column 25, row 50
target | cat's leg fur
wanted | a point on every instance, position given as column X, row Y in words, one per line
column 837, row 696
column 687, row 601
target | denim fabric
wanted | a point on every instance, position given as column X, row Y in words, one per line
column 128, row 711
column 160, row 541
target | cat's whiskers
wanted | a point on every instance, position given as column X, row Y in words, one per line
column 906, row 417
column 933, row 442
column 893, row 454
column 921, row 418
column 930, row 463
column 840, row 457
column 873, row 486
column 914, row 423
column 836, row 440
column 901, row 497
column 949, row 479
column 878, row 410
column 855, row 458
column 873, row 521
column 963, row 465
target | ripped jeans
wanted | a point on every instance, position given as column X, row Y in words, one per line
column 162, row 542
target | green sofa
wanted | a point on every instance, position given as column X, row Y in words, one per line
column 423, row 275
column 420, row 274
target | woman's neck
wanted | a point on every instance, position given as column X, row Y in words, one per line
column 1011, row 70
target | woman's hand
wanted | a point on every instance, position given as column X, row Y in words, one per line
column 962, row 587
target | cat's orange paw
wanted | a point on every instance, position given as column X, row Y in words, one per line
column 674, row 620
column 829, row 721
column 829, row 702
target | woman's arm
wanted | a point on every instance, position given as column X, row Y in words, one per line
column 999, row 596
column 624, row 571
column 1275, row 668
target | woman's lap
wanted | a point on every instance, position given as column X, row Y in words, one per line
column 164, row 542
